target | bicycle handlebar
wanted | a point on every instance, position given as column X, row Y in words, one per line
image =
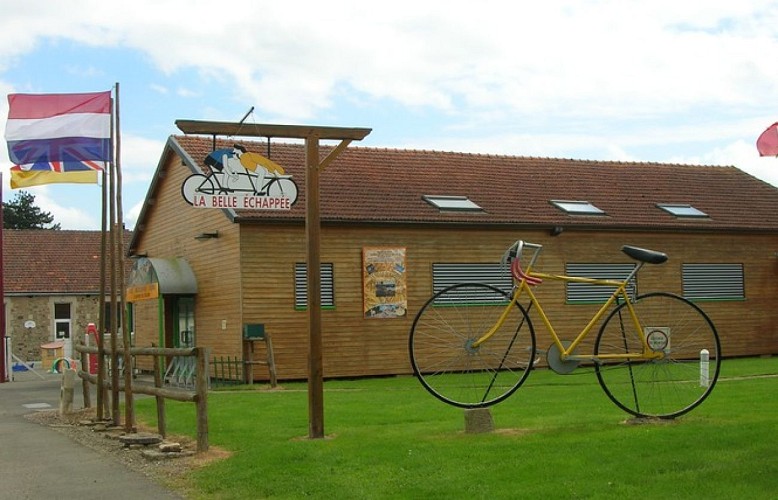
column 512, row 257
column 514, row 251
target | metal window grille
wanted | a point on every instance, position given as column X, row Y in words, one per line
column 497, row 275
column 585, row 293
column 713, row 281
column 301, row 285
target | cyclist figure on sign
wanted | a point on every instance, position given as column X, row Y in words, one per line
column 231, row 163
column 255, row 162
column 222, row 161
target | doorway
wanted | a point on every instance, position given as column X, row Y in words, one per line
column 181, row 370
column 184, row 323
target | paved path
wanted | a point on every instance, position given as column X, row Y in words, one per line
column 37, row 462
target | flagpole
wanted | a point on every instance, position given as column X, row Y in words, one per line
column 102, row 392
column 129, row 405
column 112, row 270
column 3, row 354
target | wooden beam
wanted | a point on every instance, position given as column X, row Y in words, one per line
column 271, row 130
column 334, row 153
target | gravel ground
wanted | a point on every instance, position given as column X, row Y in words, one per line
column 169, row 469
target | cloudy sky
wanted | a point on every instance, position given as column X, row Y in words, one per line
column 691, row 82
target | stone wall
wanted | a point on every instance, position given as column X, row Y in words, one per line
column 26, row 342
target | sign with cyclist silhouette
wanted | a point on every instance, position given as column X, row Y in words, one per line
column 241, row 180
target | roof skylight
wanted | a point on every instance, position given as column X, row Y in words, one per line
column 680, row 210
column 452, row 203
column 577, row 207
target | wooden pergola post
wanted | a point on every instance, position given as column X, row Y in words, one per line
column 313, row 167
column 313, row 244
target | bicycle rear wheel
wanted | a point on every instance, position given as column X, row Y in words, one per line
column 444, row 359
column 672, row 385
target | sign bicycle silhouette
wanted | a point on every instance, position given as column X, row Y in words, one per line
column 241, row 180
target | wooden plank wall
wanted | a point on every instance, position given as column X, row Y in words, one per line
column 172, row 225
column 247, row 276
column 355, row 346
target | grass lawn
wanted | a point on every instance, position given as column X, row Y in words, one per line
column 556, row 437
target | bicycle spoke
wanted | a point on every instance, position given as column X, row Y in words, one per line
column 672, row 384
column 442, row 352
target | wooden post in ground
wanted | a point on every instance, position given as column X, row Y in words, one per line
column 201, row 401
column 313, row 236
column 66, row 391
column 161, row 424
column 248, row 364
column 271, row 361
column 85, row 385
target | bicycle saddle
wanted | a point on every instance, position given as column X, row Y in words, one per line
column 644, row 255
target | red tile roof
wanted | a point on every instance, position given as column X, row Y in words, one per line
column 371, row 185
column 51, row 262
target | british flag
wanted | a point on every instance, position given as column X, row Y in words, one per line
column 68, row 152
column 58, row 137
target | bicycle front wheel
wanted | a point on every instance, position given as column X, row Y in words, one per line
column 442, row 352
column 676, row 382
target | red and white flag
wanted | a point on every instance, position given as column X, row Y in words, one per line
column 767, row 143
column 56, row 138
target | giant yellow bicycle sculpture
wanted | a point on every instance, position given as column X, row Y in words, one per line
column 656, row 355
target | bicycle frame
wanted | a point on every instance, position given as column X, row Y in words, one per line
column 214, row 177
column 524, row 280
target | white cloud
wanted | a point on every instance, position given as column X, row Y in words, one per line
column 139, row 158
column 625, row 80
column 131, row 215
column 608, row 58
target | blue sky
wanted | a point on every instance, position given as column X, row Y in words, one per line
column 691, row 82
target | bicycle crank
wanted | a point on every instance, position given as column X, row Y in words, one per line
column 555, row 361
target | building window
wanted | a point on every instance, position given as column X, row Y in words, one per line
column 682, row 211
column 62, row 321
column 713, row 281
column 301, row 286
column 497, row 275
column 577, row 207
column 452, row 203
column 587, row 293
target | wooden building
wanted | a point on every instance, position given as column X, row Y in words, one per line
column 396, row 224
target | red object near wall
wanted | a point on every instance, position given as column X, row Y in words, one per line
column 92, row 339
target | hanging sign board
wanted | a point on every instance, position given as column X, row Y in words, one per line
column 142, row 292
column 240, row 180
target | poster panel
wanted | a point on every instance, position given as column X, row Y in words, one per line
column 383, row 282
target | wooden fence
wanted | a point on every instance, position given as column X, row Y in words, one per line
column 227, row 371
column 199, row 396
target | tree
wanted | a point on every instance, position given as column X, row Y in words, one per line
column 21, row 213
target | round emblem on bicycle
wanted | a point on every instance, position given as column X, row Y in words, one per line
column 657, row 340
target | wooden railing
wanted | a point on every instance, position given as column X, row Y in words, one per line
column 199, row 396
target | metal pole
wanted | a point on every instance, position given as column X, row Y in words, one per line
column 3, row 356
